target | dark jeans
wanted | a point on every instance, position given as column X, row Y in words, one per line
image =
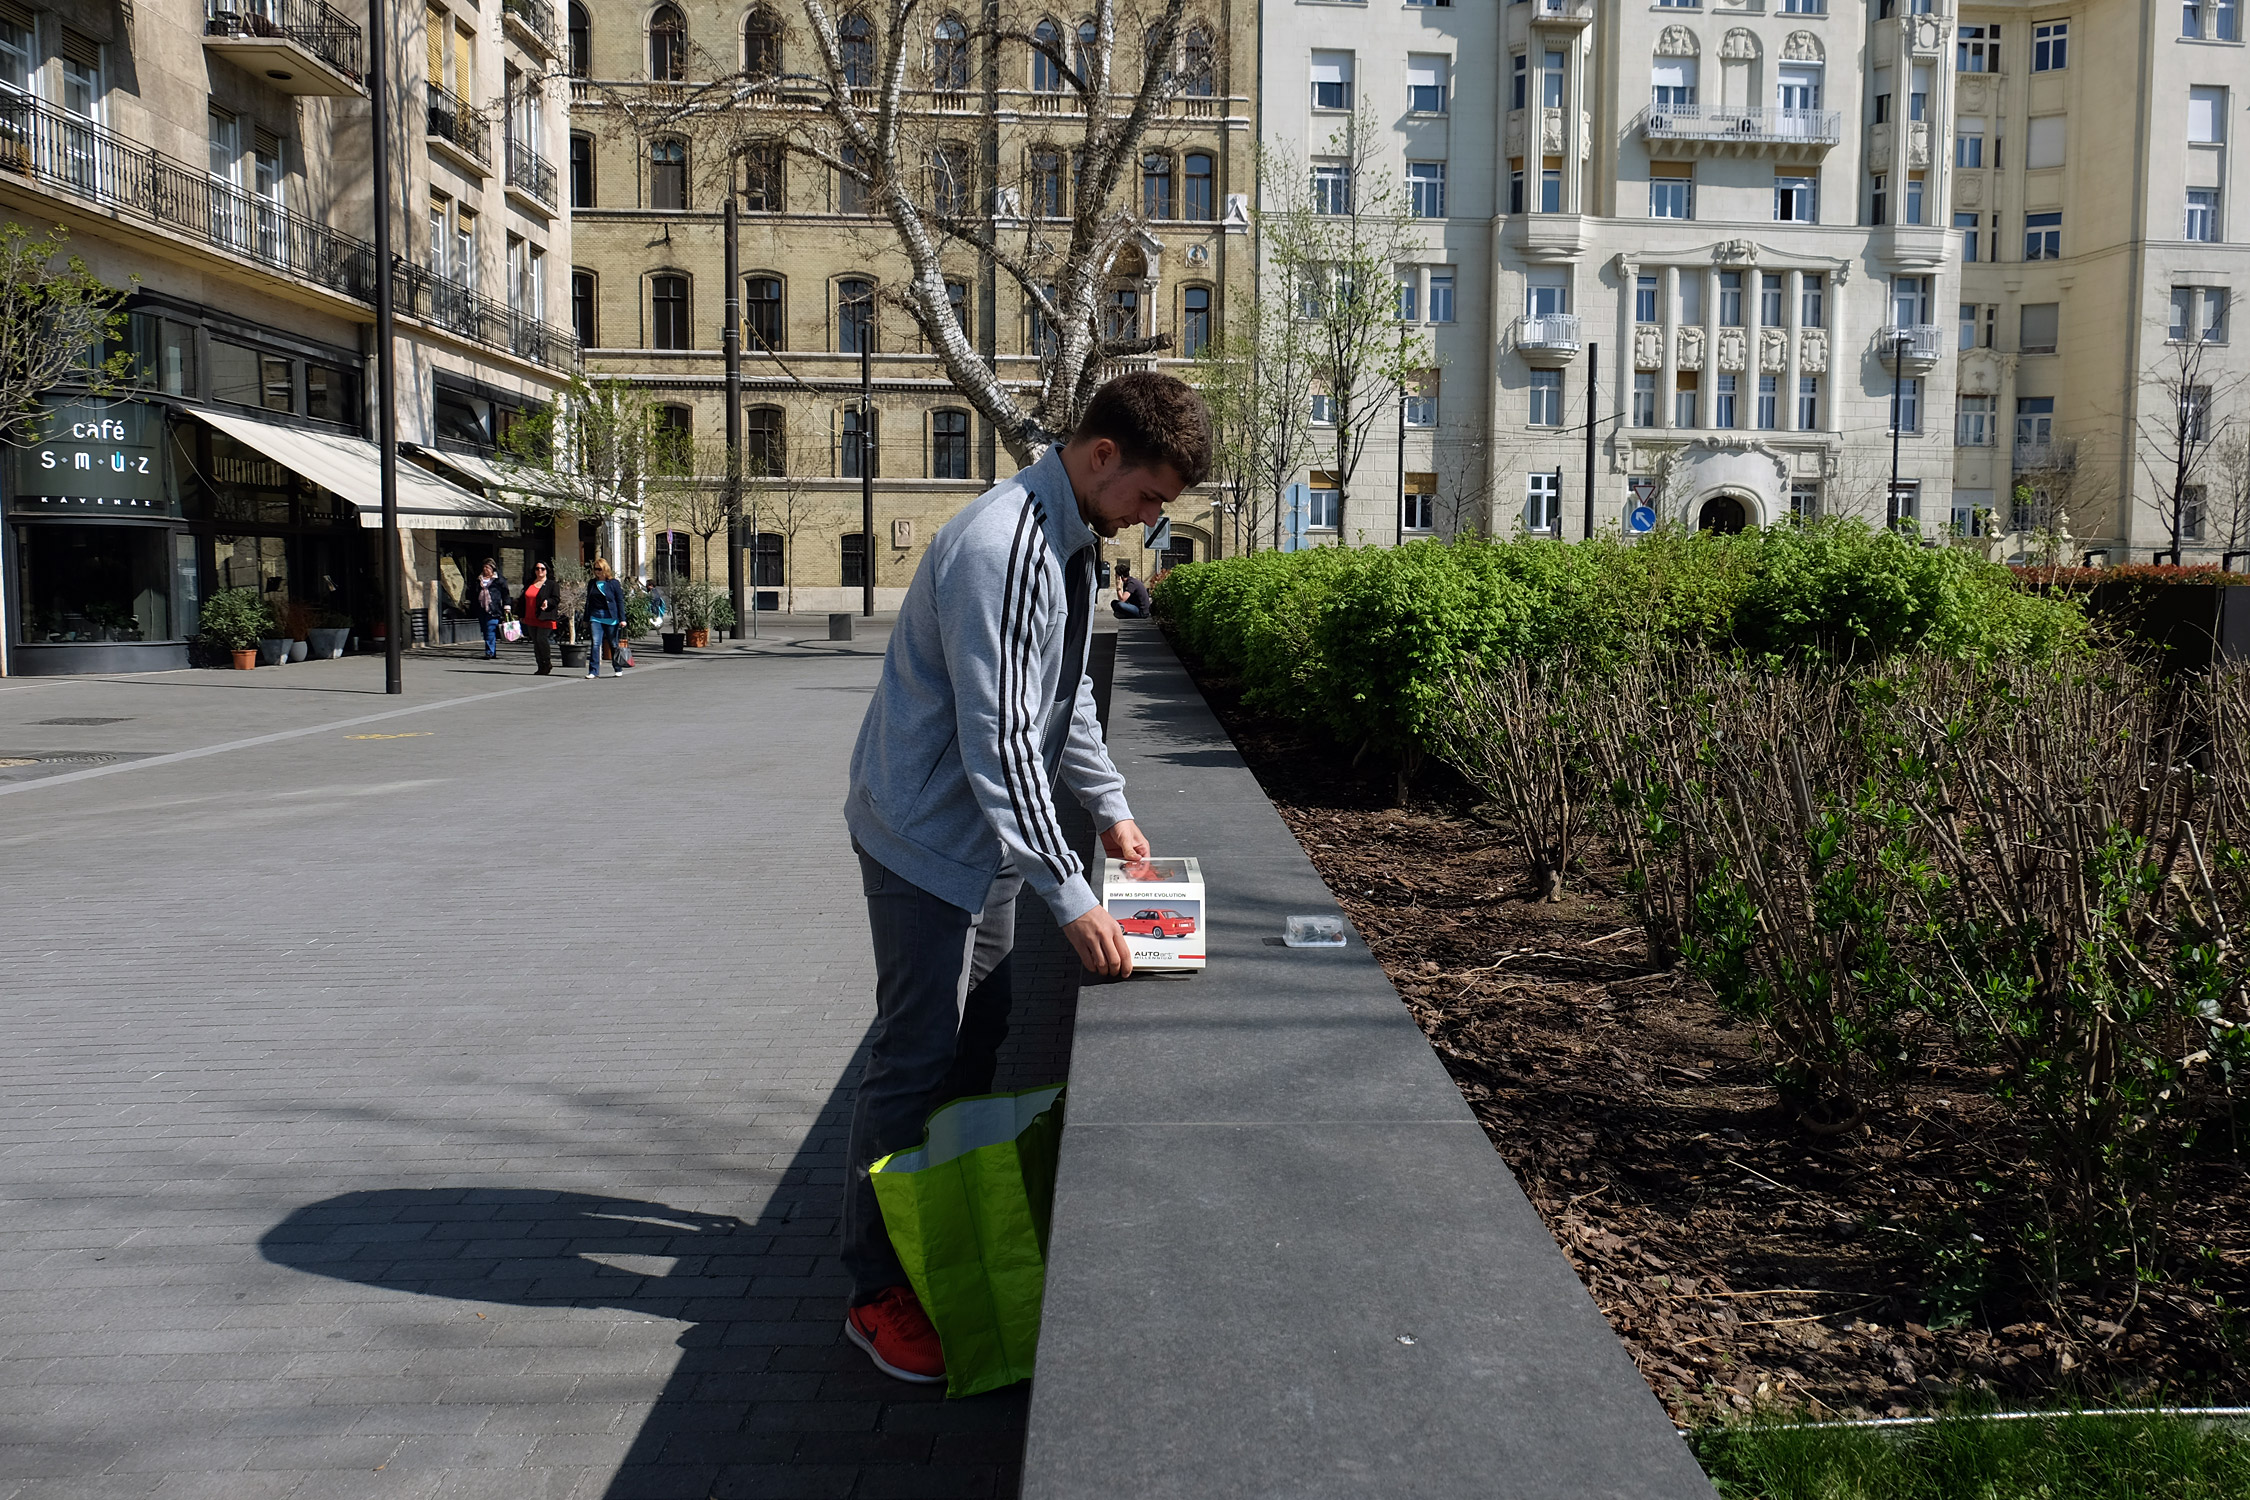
column 942, row 989
column 1125, row 609
column 491, row 636
column 604, row 642
column 543, row 647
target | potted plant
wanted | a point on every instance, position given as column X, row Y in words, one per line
column 296, row 624
column 233, row 621
column 570, row 595
column 327, row 635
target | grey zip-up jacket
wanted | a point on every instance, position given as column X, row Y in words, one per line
column 984, row 704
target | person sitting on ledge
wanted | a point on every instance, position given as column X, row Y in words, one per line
column 1131, row 602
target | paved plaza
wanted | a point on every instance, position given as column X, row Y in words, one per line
column 444, row 1096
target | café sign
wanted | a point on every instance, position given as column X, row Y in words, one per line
column 94, row 458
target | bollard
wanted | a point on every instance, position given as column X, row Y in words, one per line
column 840, row 627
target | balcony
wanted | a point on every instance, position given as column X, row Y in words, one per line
column 296, row 46
column 2051, row 455
column 1552, row 238
column 532, row 24
column 459, row 131
column 1923, row 345
column 67, row 154
column 1548, row 342
column 1563, row 13
column 442, row 302
column 1680, row 130
column 531, row 175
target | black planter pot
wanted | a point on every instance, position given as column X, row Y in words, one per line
column 675, row 643
column 573, row 656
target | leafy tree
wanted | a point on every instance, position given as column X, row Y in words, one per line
column 591, row 451
column 54, row 322
column 1256, row 378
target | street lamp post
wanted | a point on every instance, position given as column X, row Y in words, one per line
column 867, row 459
column 386, row 436
column 730, row 340
column 1898, row 387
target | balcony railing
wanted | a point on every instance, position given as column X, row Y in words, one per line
column 459, row 123
column 2054, row 453
column 536, row 17
column 1923, row 344
column 1762, row 126
column 1548, row 339
column 445, row 303
column 1580, row 12
column 320, row 29
column 79, row 157
column 531, row 172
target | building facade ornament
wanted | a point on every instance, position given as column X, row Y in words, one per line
column 1802, row 46
column 1648, row 346
column 1691, row 349
column 1773, row 350
column 1677, row 41
column 1734, row 345
column 1740, row 45
column 1812, row 351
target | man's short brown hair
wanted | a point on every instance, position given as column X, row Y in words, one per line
column 1153, row 419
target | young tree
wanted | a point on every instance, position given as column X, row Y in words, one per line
column 686, row 487
column 883, row 111
column 590, row 451
column 776, row 505
column 2179, row 424
column 54, row 322
column 1257, row 380
column 2229, row 494
column 1337, row 228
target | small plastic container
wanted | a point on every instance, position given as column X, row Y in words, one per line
column 1313, row 932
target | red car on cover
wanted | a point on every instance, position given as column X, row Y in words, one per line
column 1157, row 921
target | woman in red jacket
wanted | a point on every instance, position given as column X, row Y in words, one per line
column 542, row 611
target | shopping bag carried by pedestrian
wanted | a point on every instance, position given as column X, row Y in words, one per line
column 623, row 655
column 511, row 629
column 967, row 1212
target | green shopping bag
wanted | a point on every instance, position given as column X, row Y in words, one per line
column 967, row 1212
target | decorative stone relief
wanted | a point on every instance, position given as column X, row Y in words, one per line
column 1802, row 46
column 1735, row 253
column 1811, row 461
column 1691, row 348
column 1734, row 344
column 1648, row 346
column 1918, row 143
column 1971, row 86
column 1812, row 351
column 1879, row 146
column 1929, row 33
column 1980, row 372
column 1008, row 203
column 1515, row 133
column 1677, row 41
column 1550, row 132
column 1585, row 136
column 1238, row 211
column 1773, row 350
column 1968, row 192
column 1739, row 46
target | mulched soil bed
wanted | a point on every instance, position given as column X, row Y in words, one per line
column 1744, row 1262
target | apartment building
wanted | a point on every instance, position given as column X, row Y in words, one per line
column 213, row 159
column 648, row 187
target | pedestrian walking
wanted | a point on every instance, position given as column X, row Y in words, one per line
column 983, row 706
column 1131, row 602
column 605, row 612
column 491, row 603
column 542, row 612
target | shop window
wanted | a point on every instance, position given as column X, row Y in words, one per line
column 94, row 583
column 242, row 376
column 163, row 353
column 462, row 418
column 332, row 393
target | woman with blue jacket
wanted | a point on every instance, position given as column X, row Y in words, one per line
column 605, row 612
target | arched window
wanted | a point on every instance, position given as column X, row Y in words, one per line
column 668, row 558
column 952, row 188
column 957, row 299
column 582, row 308
column 765, row 561
column 855, row 315
column 762, row 320
column 949, row 443
column 1089, row 42
column 1046, row 66
column 851, row 187
column 668, row 312
column 761, row 43
column 675, row 440
column 667, row 173
column 1046, row 182
column 667, row 45
column 1156, row 185
column 581, row 41
column 855, row 35
column 1124, row 320
column 949, row 55
column 1195, row 320
column 851, row 453
column 765, row 446
column 762, row 184
column 1199, row 202
column 1198, row 75
column 581, row 171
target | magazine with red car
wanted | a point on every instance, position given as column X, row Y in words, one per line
column 1159, row 906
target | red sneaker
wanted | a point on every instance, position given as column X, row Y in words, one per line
column 897, row 1335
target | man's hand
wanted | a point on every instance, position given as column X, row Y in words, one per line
column 1123, row 840
column 1100, row 942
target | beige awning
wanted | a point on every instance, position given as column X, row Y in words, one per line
column 352, row 468
column 497, row 477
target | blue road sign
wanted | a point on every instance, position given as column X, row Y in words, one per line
column 1643, row 518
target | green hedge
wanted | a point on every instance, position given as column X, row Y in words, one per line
column 1362, row 640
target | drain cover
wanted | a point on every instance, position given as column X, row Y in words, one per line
column 82, row 722
column 59, row 758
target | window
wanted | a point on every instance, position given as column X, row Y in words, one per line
column 764, row 447
column 1879, row 199
column 1905, row 505
column 855, row 42
column 667, row 46
column 1685, row 405
column 1770, row 288
column 1808, row 403
column 949, row 55
column 1425, row 84
column 1671, row 191
column 1796, row 199
column 1975, row 421
column 1644, row 299
column 2040, row 327
column 2191, row 19
column 581, row 41
column 1199, row 203
column 1550, row 186
column 667, row 174
column 1968, row 325
column 949, row 443
column 1672, row 83
column 1689, row 313
column 1804, row 7
column 1644, row 398
column 761, row 43
column 1542, row 508
column 855, row 316
column 581, row 171
column 1551, row 78
column 582, row 308
column 1968, row 145
column 1722, row 400
column 1199, row 78
column 1967, row 224
column 1769, row 401
column 957, row 303
column 1914, row 194
column 668, row 312
column 1323, row 409
column 1324, row 499
column 1546, row 398
column 761, row 312
column 851, row 547
column 851, row 182
column 2050, row 135
column 1518, row 72
column 952, row 187
column 1441, row 296
column 1515, row 184
column 1546, row 294
column 2200, row 313
column 1124, row 319
column 2224, row 26
column 1417, row 506
column 1046, row 59
column 1730, row 299
column 2050, row 46
column 1040, row 337
column 2207, row 116
column 1419, row 403
column 2042, row 236
column 1918, row 94
column 1195, row 320
column 1082, row 55
column 1156, row 185
column 762, row 187
column 1331, row 80
column 1910, row 301
column 1332, row 188
column 2202, row 214
column 851, row 450
column 2195, row 411
column 2035, row 421
column 1425, row 181
column 1408, row 286
column 242, row 376
column 1046, row 175
column 1804, row 501
column 1977, row 50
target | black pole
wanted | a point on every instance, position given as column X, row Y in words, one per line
column 730, row 340
column 386, row 435
column 1593, row 390
column 1557, row 501
column 1898, row 385
column 1402, row 464
column 867, row 460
